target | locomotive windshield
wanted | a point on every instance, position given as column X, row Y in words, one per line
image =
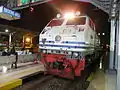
column 56, row 22
column 77, row 21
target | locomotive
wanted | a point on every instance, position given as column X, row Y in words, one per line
column 69, row 44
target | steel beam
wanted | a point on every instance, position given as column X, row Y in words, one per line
column 102, row 4
column 10, row 39
column 13, row 4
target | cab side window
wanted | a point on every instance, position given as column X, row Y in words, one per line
column 91, row 24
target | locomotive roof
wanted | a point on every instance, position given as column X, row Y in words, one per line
column 75, row 16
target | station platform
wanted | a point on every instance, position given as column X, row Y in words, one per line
column 13, row 77
column 101, row 80
column 19, row 65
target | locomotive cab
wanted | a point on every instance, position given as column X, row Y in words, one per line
column 61, row 31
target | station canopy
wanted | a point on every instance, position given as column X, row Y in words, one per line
column 102, row 4
column 108, row 6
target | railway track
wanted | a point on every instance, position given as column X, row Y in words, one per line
column 50, row 82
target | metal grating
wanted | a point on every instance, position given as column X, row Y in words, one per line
column 102, row 4
column 109, row 6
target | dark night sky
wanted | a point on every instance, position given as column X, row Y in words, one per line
column 42, row 14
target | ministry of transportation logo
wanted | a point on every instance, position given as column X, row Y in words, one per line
column 57, row 38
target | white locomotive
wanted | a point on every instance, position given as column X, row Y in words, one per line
column 73, row 36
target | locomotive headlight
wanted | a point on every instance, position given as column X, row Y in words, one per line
column 58, row 15
column 49, row 51
column 54, row 51
column 44, row 51
column 69, row 15
column 69, row 53
column 75, row 54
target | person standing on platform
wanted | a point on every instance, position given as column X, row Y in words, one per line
column 13, row 52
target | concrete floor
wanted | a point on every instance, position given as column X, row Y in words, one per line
column 98, row 81
column 20, row 72
column 103, row 81
column 111, row 80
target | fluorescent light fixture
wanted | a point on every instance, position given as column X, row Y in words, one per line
column 6, row 30
column 100, row 67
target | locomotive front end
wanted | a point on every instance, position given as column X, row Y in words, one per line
column 64, row 45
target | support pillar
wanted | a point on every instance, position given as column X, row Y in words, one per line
column 118, row 58
column 112, row 42
column 10, row 39
column 117, row 40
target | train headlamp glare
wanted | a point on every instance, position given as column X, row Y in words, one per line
column 58, row 15
column 69, row 15
column 77, row 13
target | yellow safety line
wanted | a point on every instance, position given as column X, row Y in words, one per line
column 16, row 82
column 11, row 84
column 90, row 77
column 27, row 71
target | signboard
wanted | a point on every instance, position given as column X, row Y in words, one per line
column 24, row 2
column 8, row 14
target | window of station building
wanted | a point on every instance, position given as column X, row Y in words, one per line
column 77, row 21
column 56, row 22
